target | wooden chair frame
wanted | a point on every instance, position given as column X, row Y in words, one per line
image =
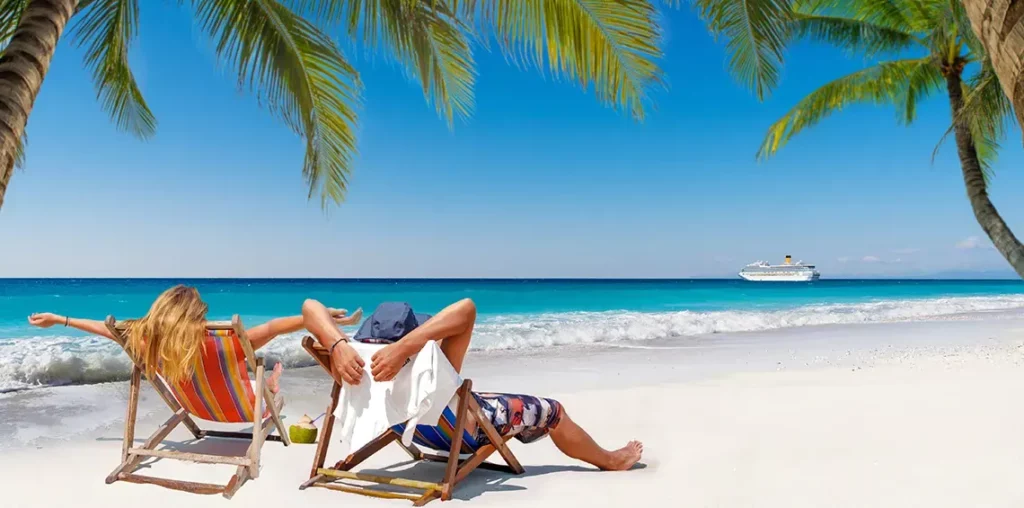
column 456, row 470
column 248, row 464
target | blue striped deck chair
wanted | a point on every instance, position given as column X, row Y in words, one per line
column 218, row 391
column 448, row 441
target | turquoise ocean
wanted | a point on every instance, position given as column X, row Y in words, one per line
column 514, row 314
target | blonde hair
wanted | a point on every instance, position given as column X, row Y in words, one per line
column 169, row 336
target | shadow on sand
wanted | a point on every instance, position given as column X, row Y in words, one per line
column 481, row 481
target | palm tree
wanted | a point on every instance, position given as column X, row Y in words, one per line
column 1000, row 26
column 938, row 34
column 280, row 51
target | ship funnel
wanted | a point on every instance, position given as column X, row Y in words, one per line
column 789, row 259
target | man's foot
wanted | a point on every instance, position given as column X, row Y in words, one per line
column 274, row 378
column 625, row 457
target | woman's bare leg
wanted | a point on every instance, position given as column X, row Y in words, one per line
column 274, row 379
column 452, row 327
column 573, row 441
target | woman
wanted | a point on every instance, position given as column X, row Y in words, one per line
column 171, row 333
column 453, row 328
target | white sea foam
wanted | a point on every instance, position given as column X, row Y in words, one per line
column 46, row 361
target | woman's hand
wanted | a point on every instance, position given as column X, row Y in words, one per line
column 343, row 319
column 388, row 360
column 45, row 319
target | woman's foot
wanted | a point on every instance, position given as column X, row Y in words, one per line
column 625, row 457
column 275, row 377
column 342, row 318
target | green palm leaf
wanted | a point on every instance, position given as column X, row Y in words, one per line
column 884, row 83
column 756, row 33
column 106, row 29
column 923, row 79
column 299, row 74
column 426, row 37
column 895, row 14
column 609, row 44
column 10, row 15
column 988, row 112
column 853, row 35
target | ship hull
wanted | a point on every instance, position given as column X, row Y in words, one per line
column 788, row 277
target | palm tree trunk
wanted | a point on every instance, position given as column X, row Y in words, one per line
column 1000, row 26
column 23, row 66
column 974, row 179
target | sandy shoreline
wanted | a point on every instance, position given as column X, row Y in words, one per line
column 907, row 414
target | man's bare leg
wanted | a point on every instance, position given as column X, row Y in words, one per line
column 573, row 441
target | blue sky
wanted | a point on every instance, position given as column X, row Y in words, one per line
column 542, row 181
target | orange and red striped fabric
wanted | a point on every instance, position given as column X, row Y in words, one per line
column 219, row 389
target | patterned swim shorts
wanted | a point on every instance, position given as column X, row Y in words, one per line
column 533, row 417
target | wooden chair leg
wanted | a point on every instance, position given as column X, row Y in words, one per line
column 366, row 451
column 460, row 425
column 426, row 498
column 275, row 403
column 257, row 424
column 496, row 439
column 132, row 462
column 414, row 452
column 131, row 412
column 240, row 477
column 325, row 435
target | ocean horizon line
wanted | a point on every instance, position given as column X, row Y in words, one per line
column 965, row 278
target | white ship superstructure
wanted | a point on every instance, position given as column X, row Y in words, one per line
column 762, row 271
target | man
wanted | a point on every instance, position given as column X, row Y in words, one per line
column 453, row 329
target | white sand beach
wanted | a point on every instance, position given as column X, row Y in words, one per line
column 902, row 414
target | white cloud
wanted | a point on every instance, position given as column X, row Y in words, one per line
column 973, row 242
column 870, row 259
column 845, row 259
column 908, row 250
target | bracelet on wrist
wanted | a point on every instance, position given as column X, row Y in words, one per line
column 67, row 321
column 339, row 341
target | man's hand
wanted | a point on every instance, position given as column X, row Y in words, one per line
column 346, row 365
column 388, row 360
column 44, row 319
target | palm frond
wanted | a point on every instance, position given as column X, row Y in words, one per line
column 299, row 73
column 965, row 31
column 106, row 30
column 988, row 112
column 894, row 14
column 852, row 35
column 426, row 37
column 881, row 84
column 923, row 79
column 10, row 17
column 756, row 33
column 611, row 45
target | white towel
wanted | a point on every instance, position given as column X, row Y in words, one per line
column 419, row 393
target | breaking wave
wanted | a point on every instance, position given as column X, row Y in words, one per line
column 28, row 362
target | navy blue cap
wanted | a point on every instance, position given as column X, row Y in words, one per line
column 390, row 322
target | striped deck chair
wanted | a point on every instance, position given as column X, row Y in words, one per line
column 219, row 391
column 449, row 438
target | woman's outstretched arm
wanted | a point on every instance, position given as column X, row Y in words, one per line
column 261, row 335
column 48, row 319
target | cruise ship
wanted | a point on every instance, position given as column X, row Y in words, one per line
column 762, row 271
